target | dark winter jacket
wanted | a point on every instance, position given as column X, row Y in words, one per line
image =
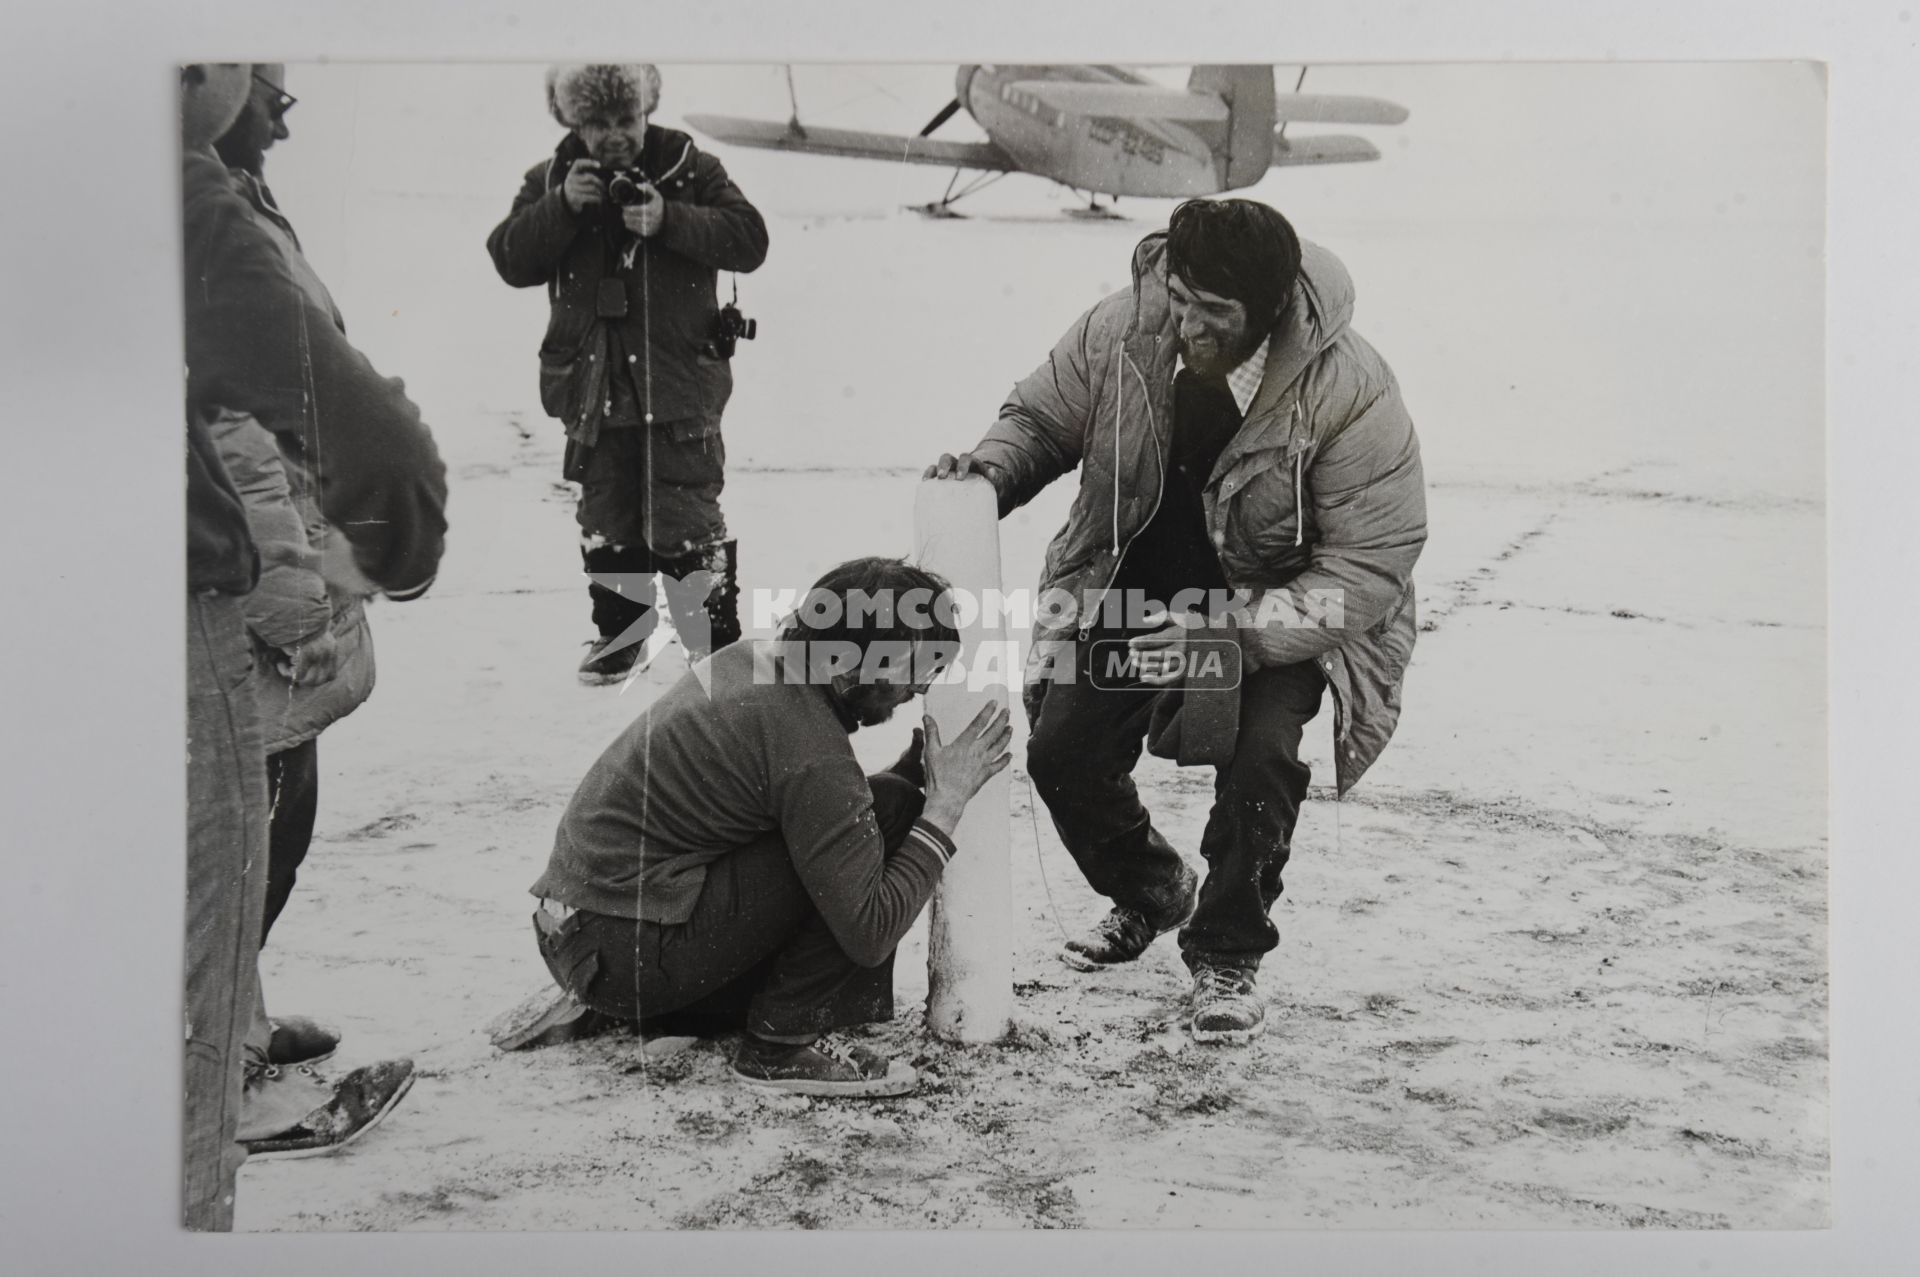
column 1320, row 489
column 670, row 289
column 258, row 344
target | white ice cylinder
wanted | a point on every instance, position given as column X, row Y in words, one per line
column 970, row 940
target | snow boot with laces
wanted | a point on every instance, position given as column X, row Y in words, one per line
column 1125, row 933
column 1226, row 1005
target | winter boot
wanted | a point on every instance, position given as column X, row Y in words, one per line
column 830, row 1067
column 723, row 605
column 703, row 595
column 1226, row 1005
column 605, row 663
column 621, row 587
column 1125, row 933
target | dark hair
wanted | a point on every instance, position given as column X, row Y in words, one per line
column 1238, row 249
column 871, row 601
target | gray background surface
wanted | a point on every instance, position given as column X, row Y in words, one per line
column 93, row 741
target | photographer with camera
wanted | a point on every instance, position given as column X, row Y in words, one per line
column 627, row 226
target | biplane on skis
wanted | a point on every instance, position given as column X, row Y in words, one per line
column 1100, row 131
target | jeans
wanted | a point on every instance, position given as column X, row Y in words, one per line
column 755, row 953
column 1081, row 756
column 226, row 881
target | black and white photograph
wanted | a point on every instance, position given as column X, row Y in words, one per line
column 927, row 638
column 976, row 646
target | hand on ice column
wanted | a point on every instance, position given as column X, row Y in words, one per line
column 952, row 467
column 956, row 772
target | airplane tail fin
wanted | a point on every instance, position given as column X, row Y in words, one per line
column 1248, row 93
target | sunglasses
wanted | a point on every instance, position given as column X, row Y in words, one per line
column 281, row 102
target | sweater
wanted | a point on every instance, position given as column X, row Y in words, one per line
column 726, row 757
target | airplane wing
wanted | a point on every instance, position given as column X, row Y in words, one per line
column 1329, row 108
column 1329, row 148
column 1126, row 101
column 813, row 140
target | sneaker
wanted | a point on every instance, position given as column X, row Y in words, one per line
column 831, row 1067
column 547, row 1017
column 1125, row 933
column 1226, row 1006
column 605, row 663
column 362, row 1098
column 275, row 1099
column 298, row 1040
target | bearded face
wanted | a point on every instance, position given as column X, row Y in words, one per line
column 1215, row 333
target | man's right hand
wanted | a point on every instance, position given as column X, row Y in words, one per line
column 956, row 772
column 952, row 467
column 583, row 187
column 311, row 662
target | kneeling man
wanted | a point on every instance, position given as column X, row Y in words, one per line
column 727, row 855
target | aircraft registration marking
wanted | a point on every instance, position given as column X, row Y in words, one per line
column 1133, row 140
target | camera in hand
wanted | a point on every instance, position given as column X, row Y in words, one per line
column 627, row 187
column 729, row 326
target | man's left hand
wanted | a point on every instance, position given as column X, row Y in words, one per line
column 1161, row 655
column 911, row 764
column 645, row 219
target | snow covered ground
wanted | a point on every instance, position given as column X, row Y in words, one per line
column 1559, row 961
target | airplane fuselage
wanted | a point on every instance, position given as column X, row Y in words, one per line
column 1109, row 155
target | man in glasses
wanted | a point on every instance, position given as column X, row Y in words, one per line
column 274, row 382
column 262, row 122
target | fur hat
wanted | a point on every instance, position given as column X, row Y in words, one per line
column 612, row 88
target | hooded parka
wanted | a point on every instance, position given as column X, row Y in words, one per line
column 1320, row 490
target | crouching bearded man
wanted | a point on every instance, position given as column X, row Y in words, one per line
column 725, row 859
column 1236, row 439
